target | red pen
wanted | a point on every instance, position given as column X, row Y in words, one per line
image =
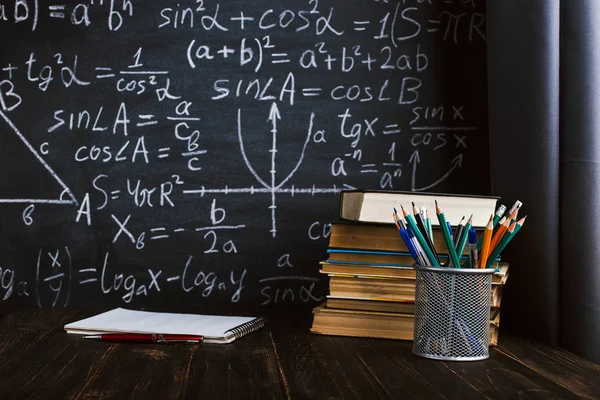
column 146, row 338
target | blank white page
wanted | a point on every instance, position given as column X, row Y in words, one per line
column 123, row 320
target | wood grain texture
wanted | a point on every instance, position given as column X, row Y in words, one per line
column 283, row 361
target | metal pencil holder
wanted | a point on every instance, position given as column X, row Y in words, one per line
column 452, row 313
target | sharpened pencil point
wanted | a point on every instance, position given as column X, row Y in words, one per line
column 395, row 211
column 470, row 221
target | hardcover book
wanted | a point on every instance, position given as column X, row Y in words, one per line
column 376, row 206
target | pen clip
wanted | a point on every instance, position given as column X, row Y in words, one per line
column 158, row 338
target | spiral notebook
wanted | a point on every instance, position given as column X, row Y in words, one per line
column 214, row 328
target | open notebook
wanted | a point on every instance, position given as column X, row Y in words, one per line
column 214, row 328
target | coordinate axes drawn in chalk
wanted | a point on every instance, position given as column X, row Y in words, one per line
column 416, row 159
column 273, row 188
column 66, row 191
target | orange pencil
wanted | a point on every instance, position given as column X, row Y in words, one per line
column 487, row 238
column 499, row 233
column 513, row 215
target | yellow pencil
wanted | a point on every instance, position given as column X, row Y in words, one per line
column 487, row 238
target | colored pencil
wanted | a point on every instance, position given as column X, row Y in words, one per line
column 409, row 245
column 459, row 231
column 423, row 212
column 514, row 207
column 513, row 215
column 499, row 213
column 487, row 238
column 418, row 249
column 420, row 239
column 451, row 251
column 460, row 248
column 499, row 233
column 421, row 225
column 512, row 231
column 405, row 238
column 429, row 226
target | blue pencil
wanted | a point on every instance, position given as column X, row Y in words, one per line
column 409, row 245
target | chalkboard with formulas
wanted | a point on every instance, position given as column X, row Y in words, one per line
column 193, row 152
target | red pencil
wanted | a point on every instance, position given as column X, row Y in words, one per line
column 146, row 338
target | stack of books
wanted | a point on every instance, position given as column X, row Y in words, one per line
column 371, row 278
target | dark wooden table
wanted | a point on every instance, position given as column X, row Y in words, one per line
column 282, row 361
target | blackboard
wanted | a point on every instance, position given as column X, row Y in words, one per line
column 193, row 152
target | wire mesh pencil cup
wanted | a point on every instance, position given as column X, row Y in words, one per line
column 452, row 313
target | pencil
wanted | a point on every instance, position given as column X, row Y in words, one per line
column 499, row 233
column 460, row 248
column 409, row 246
column 459, row 230
column 429, row 227
column 427, row 222
column 499, row 213
column 514, row 207
column 487, row 238
column 512, row 231
column 421, row 225
column 451, row 250
column 420, row 239
column 513, row 215
column 418, row 249
column 480, row 243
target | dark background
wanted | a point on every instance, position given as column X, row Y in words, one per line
column 252, row 277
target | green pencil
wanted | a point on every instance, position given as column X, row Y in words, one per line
column 515, row 227
column 460, row 247
column 413, row 225
column 497, row 215
column 429, row 226
column 446, row 234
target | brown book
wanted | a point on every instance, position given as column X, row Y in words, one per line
column 375, row 206
column 395, row 271
column 384, row 289
column 348, row 303
column 375, row 237
column 379, row 237
column 384, row 325
column 366, row 257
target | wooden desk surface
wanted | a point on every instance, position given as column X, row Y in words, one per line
column 282, row 361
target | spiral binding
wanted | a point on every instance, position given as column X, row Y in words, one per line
column 248, row 327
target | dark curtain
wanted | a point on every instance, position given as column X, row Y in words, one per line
column 544, row 109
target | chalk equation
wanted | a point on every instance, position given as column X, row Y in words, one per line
column 222, row 133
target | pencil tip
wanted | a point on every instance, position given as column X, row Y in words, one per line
column 522, row 220
column 470, row 221
column 395, row 211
